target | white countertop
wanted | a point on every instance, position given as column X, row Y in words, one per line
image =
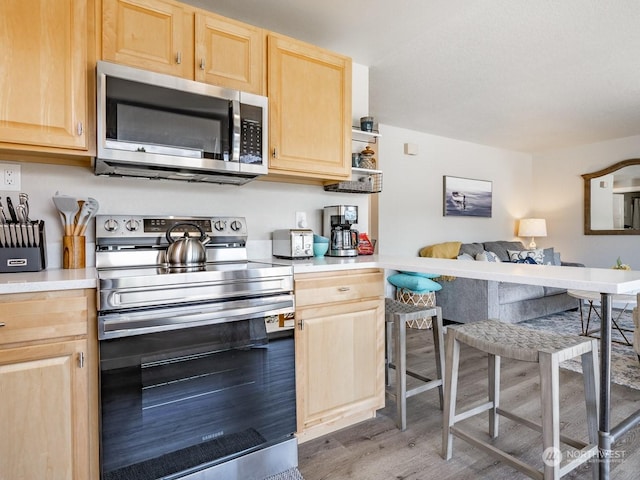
column 50, row 279
column 603, row 280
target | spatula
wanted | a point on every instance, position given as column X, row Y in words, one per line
column 87, row 212
column 67, row 206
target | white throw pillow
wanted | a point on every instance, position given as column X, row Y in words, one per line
column 519, row 255
column 487, row 257
column 465, row 256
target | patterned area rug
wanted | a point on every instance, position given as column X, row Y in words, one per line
column 291, row 474
column 625, row 367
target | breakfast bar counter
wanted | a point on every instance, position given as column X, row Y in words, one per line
column 605, row 281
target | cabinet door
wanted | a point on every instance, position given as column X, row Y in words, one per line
column 150, row 34
column 339, row 363
column 43, row 73
column 309, row 110
column 44, row 414
column 229, row 54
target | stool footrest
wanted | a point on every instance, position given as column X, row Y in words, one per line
column 472, row 412
column 416, row 390
column 507, row 458
column 538, row 428
column 413, row 374
column 586, row 454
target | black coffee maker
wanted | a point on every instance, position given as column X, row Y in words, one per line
column 343, row 240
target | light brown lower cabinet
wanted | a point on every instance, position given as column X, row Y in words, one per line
column 339, row 340
column 48, row 386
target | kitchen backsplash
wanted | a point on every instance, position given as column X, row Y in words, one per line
column 266, row 205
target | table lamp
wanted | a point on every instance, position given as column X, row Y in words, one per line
column 532, row 227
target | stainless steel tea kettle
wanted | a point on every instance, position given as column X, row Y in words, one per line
column 186, row 251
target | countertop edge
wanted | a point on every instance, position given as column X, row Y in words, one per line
column 578, row 278
column 48, row 280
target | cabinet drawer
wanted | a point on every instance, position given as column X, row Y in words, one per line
column 30, row 317
column 331, row 287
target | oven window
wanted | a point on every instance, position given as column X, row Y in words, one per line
column 184, row 400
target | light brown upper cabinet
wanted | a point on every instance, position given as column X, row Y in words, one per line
column 229, row 54
column 43, row 75
column 309, row 91
column 176, row 39
column 150, row 34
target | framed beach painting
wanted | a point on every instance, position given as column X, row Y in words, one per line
column 465, row 197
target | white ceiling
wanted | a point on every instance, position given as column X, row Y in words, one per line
column 518, row 74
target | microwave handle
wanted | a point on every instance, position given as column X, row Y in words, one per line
column 235, row 130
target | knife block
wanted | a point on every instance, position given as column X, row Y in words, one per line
column 25, row 259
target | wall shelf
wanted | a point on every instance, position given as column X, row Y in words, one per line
column 358, row 135
column 363, row 180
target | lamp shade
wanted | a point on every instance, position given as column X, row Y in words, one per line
column 532, row 227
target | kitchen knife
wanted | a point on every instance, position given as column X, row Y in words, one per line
column 23, row 198
column 7, row 235
column 12, row 232
column 3, row 217
column 12, row 211
column 36, row 233
column 32, row 242
column 25, row 235
column 16, row 227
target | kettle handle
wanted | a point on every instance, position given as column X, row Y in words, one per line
column 203, row 236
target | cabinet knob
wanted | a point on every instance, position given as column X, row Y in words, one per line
column 300, row 325
column 2, row 324
column 80, row 128
column 81, row 360
column 202, row 64
column 274, row 154
column 179, row 58
column 344, row 289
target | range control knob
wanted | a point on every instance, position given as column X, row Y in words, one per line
column 220, row 225
column 132, row 225
column 111, row 225
column 236, row 225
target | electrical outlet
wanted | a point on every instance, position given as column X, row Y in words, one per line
column 301, row 220
column 10, row 177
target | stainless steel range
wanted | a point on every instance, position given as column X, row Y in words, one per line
column 192, row 386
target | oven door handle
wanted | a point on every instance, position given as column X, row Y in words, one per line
column 113, row 325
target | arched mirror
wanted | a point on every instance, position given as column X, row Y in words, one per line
column 612, row 200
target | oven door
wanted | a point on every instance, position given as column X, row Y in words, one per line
column 182, row 401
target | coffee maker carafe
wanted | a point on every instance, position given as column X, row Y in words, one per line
column 343, row 240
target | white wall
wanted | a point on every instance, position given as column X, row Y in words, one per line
column 558, row 197
column 411, row 200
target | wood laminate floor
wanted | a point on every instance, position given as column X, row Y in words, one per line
column 377, row 450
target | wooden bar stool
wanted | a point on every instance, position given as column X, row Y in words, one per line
column 500, row 339
column 397, row 314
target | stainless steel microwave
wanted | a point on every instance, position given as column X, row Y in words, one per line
column 163, row 127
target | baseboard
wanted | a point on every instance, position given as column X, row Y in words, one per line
column 325, row 428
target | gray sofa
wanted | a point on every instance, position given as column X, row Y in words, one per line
column 467, row 300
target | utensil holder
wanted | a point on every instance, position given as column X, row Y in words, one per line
column 73, row 251
column 26, row 259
